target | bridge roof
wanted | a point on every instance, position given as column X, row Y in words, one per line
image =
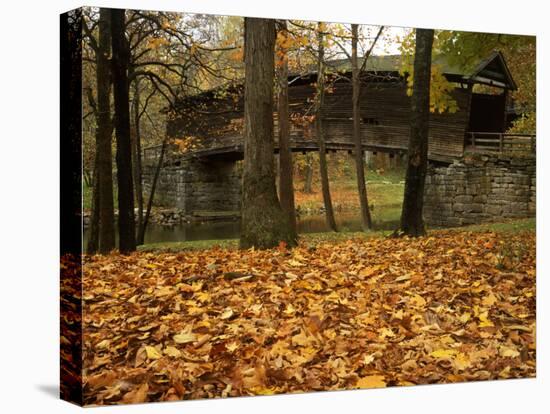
column 382, row 63
column 491, row 71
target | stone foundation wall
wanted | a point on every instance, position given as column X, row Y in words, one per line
column 480, row 188
column 196, row 186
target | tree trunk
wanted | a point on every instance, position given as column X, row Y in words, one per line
column 264, row 224
column 286, row 185
column 143, row 227
column 137, row 161
column 319, row 130
column 308, row 181
column 121, row 54
column 366, row 221
column 104, row 134
column 93, row 239
column 412, row 223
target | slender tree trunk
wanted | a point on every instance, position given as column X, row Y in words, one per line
column 93, row 239
column 137, row 160
column 143, row 227
column 412, row 223
column 121, row 55
column 286, row 185
column 319, row 130
column 366, row 221
column 308, row 181
column 104, row 134
column 264, row 224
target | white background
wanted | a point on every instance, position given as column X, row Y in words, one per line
column 29, row 206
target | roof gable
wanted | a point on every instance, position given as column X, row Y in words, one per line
column 493, row 71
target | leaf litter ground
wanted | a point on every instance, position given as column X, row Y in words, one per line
column 452, row 307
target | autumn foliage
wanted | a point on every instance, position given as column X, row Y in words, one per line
column 455, row 306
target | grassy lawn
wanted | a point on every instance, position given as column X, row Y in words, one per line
column 385, row 191
column 511, row 226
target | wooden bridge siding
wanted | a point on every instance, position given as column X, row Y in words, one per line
column 388, row 105
column 385, row 103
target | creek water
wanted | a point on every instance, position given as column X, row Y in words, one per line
column 210, row 230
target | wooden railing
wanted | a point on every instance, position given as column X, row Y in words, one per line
column 501, row 143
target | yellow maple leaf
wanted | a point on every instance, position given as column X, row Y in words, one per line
column 385, row 332
column 484, row 320
column 202, row 296
column 289, row 310
column 369, row 271
column 264, row 390
column 152, row 352
column 461, row 361
column 367, row 359
column 398, row 314
column 295, row 263
column 371, row 381
column 172, row 351
column 465, row 317
column 508, row 352
column 443, row 353
column 417, row 300
column 489, row 300
column 164, row 291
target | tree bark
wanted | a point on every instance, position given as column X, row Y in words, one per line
column 264, row 224
column 319, row 131
column 121, row 58
column 137, row 160
column 286, row 185
column 308, row 180
column 366, row 221
column 412, row 223
column 143, row 227
column 93, row 239
column 104, row 134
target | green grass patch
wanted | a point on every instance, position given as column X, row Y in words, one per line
column 189, row 245
column 509, row 226
column 308, row 238
column 518, row 225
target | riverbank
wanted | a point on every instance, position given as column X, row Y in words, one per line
column 385, row 193
column 509, row 226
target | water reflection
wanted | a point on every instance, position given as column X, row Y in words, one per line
column 231, row 229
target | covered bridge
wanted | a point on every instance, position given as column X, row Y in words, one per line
column 204, row 177
column 214, row 118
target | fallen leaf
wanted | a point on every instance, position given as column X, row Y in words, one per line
column 138, row 395
column 489, row 300
column 443, row 353
column 172, row 351
column 508, row 352
column 152, row 352
column 185, row 337
column 372, row 381
column 228, row 313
